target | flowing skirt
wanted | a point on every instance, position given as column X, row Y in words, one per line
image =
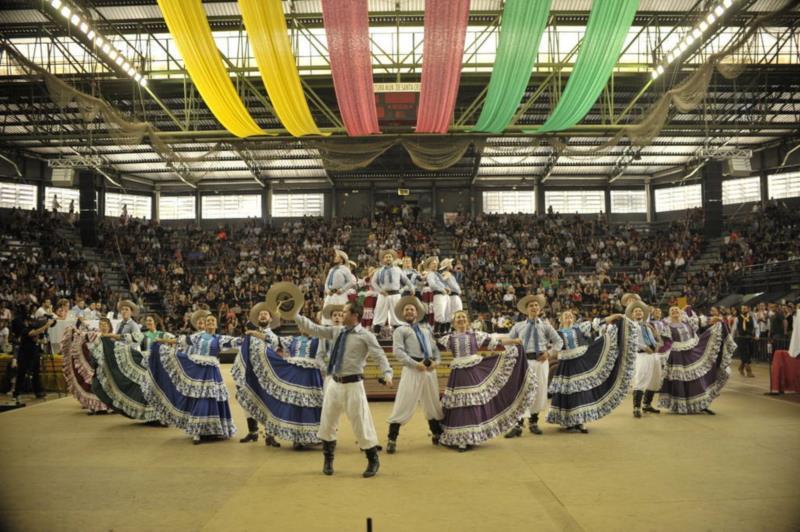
column 283, row 394
column 78, row 369
column 187, row 391
column 120, row 387
column 695, row 376
column 591, row 385
column 485, row 396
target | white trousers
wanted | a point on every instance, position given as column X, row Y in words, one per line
column 647, row 374
column 333, row 299
column 350, row 399
column 454, row 305
column 539, row 402
column 416, row 387
column 384, row 310
column 441, row 304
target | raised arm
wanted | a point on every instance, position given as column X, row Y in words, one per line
column 310, row 328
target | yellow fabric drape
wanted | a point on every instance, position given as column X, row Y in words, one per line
column 269, row 38
column 188, row 24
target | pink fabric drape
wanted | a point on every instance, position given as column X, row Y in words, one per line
column 443, row 51
column 347, row 31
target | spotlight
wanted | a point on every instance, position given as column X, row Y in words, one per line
column 65, row 12
column 696, row 33
column 143, row 82
column 670, row 57
column 660, row 70
column 719, row 10
column 56, row 4
column 84, row 27
column 711, row 18
column 654, row 74
column 727, row 3
column 106, row 49
column 90, row 35
column 118, row 60
column 112, row 54
column 75, row 19
column 703, row 25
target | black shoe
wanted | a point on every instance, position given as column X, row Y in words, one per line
column 464, row 448
column 649, row 408
column 391, row 446
column 373, row 463
column 297, row 446
column 637, row 412
column 197, row 439
column 251, row 436
column 534, row 428
column 41, row 395
column 516, row 432
column 709, row 412
column 582, row 429
column 328, row 448
column 270, row 441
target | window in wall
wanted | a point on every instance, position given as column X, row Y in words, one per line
column 783, row 185
column 63, row 197
column 628, row 201
column 572, row 201
column 17, row 195
column 176, row 207
column 741, row 190
column 231, row 206
column 509, row 202
column 678, row 198
column 297, row 205
column 137, row 206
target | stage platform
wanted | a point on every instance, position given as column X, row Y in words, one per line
column 739, row 470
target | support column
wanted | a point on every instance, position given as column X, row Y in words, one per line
column 434, row 202
column 266, row 204
column 607, row 202
column 156, row 210
column 764, row 189
column 649, row 201
column 538, row 193
column 332, row 212
column 712, row 199
column 88, row 209
column 198, row 206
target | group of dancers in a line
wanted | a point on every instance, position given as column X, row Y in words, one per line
column 297, row 387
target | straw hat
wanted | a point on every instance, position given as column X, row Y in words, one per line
column 352, row 264
column 274, row 322
column 446, row 263
column 286, row 299
column 633, row 305
column 198, row 315
column 383, row 252
column 328, row 311
column 130, row 304
column 426, row 264
column 342, row 254
column 522, row 304
column 629, row 297
column 410, row 300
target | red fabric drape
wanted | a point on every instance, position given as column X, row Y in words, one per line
column 443, row 51
column 347, row 31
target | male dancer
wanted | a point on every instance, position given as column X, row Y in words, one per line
column 338, row 281
column 387, row 282
column 415, row 348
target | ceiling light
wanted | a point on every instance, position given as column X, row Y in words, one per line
column 143, row 82
column 65, row 12
column 118, row 60
column 99, row 41
column 106, row 49
column 75, row 19
column 90, row 35
column 703, row 25
column 137, row 76
column 696, row 33
column 689, row 40
column 125, row 66
column 711, row 18
column 660, row 69
column 112, row 54
column 670, row 57
column 654, row 74
column 727, row 3
column 719, row 10
column 56, row 4
column 84, row 27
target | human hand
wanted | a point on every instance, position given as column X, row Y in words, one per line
column 420, row 366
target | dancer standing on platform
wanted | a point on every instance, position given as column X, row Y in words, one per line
column 339, row 280
column 412, row 275
column 387, row 282
column 697, row 366
column 538, row 339
column 284, row 393
column 261, row 322
column 345, row 392
column 648, row 375
column 415, row 348
column 186, row 386
column 441, row 295
column 454, row 303
column 484, row 396
column 592, row 377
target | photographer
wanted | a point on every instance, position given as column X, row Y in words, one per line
column 28, row 331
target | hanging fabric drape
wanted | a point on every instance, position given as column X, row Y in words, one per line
column 188, row 24
column 606, row 30
column 347, row 31
column 269, row 39
column 521, row 31
column 442, row 53
column 345, row 155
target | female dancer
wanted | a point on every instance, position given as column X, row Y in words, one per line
column 79, row 368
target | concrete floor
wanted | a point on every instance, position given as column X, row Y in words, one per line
column 64, row 470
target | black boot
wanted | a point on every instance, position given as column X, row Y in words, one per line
column 648, row 402
column 436, row 430
column 394, row 432
column 373, row 464
column 328, row 448
column 533, row 424
column 252, row 431
column 637, row 403
column 516, row 431
column 270, row 441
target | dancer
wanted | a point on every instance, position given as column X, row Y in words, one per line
column 283, row 393
column 79, row 368
column 592, row 377
column 334, row 313
column 339, row 280
column 697, row 366
column 454, row 303
column 414, row 347
column 261, row 322
column 538, row 339
column 648, row 374
column 412, row 275
column 441, row 294
column 344, row 392
column 186, row 386
column 387, row 282
column 484, row 396
column 746, row 331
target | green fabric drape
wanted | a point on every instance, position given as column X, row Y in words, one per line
column 608, row 26
column 521, row 32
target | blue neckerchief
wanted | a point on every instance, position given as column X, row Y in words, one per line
column 337, row 353
column 532, row 330
column 426, row 354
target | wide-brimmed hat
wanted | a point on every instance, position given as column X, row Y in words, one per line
column 198, row 315
column 522, row 304
column 328, row 310
column 352, row 264
column 410, row 300
column 130, row 304
column 446, row 263
column 285, row 300
column 383, row 253
column 341, row 254
column 274, row 322
column 426, row 263
column 633, row 305
column 629, row 297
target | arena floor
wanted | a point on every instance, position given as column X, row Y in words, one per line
column 64, row 470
